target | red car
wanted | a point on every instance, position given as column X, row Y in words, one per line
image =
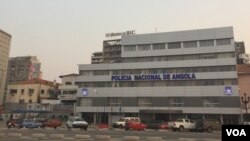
column 53, row 123
column 135, row 126
column 14, row 123
column 157, row 125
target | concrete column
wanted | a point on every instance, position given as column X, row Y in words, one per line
column 95, row 118
column 221, row 119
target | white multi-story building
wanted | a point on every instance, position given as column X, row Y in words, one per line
column 164, row 76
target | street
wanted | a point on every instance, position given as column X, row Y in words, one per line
column 94, row 134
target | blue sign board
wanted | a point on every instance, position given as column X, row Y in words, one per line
column 85, row 92
column 143, row 77
column 228, row 90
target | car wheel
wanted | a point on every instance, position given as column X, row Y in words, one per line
column 120, row 126
column 209, row 130
column 68, row 127
column 181, row 128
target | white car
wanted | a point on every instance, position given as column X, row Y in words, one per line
column 121, row 123
column 181, row 125
column 77, row 122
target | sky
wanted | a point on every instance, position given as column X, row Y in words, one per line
column 64, row 33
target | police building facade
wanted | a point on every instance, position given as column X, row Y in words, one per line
column 164, row 76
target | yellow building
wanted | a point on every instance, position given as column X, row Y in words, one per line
column 26, row 94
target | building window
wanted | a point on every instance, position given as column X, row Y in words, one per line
column 101, row 72
column 30, row 101
column 210, row 102
column 21, row 101
column 86, row 102
column 129, row 48
column 208, row 56
column 226, row 55
column 221, row 42
column 206, row 43
column 114, row 101
column 22, row 91
column 144, row 101
column 174, row 45
column 159, row 46
column 176, row 102
column 13, row 91
column 42, row 91
column 69, row 92
column 31, row 91
column 85, row 73
column 190, row 44
column 144, row 47
column 68, row 83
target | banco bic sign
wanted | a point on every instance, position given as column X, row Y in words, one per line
column 236, row 132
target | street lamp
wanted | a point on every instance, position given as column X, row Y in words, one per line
column 245, row 100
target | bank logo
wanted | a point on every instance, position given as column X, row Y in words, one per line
column 85, row 92
column 228, row 90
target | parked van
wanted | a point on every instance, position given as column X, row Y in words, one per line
column 121, row 123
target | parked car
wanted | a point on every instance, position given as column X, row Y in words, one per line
column 122, row 121
column 14, row 123
column 135, row 125
column 208, row 125
column 157, row 125
column 29, row 123
column 77, row 122
column 246, row 123
column 181, row 125
column 53, row 123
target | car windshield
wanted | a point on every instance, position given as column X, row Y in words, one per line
column 79, row 119
column 122, row 119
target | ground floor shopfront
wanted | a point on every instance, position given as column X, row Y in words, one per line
column 109, row 118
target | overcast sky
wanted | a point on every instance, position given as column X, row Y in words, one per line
column 64, row 33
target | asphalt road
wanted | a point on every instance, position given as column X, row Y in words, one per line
column 115, row 134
